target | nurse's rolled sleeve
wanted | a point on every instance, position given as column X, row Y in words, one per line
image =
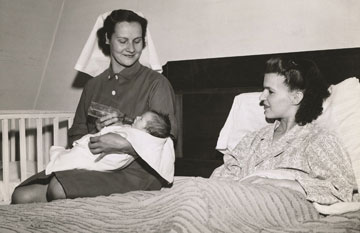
column 80, row 124
column 163, row 100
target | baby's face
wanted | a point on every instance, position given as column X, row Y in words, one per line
column 141, row 121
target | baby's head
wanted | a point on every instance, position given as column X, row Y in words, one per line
column 155, row 123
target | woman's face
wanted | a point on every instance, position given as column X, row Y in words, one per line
column 276, row 97
column 126, row 45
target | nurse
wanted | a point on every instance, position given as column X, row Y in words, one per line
column 127, row 86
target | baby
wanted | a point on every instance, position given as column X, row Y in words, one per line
column 156, row 126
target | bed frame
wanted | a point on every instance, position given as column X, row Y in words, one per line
column 26, row 139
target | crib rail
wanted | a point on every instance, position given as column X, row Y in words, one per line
column 18, row 121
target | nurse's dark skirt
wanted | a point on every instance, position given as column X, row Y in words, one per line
column 83, row 183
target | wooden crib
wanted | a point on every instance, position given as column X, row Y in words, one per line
column 26, row 138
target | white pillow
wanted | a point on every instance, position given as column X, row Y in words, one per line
column 341, row 115
column 246, row 115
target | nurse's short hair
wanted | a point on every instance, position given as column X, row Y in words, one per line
column 118, row 16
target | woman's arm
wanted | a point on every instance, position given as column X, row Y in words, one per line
column 331, row 177
column 236, row 161
column 290, row 184
column 79, row 127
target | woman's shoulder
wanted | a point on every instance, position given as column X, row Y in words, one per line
column 153, row 75
column 94, row 81
column 319, row 133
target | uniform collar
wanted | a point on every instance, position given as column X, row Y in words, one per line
column 126, row 73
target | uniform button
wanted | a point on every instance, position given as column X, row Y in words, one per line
column 109, row 77
column 116, row 77
column 113, row 92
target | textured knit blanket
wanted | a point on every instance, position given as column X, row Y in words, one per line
column 191, row 205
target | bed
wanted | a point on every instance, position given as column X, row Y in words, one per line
column 198, row 204
column 192, row 205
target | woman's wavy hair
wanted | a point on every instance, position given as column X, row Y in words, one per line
column 305, row 76
column 118, row 16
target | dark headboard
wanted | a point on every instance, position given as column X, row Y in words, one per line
column 247, row 71
column 205, row 89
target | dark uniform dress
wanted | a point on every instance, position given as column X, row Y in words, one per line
column 133, row 91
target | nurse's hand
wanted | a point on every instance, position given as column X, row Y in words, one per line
column 110, row 143
column 109, row 119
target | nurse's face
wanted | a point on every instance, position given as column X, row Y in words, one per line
column 126, row 45
column 276, row 97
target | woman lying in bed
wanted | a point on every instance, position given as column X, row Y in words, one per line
column 309, row 159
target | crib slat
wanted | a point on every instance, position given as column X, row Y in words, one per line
column 12, row 139
column 23, row 157
column 15, row 122
column 5, row 158
column 56, row 131
column 39, row 145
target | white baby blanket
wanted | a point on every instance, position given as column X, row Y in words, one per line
column 158, row 153
column 92, row 61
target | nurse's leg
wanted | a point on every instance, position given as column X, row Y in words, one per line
column 29, row 194
column 55, row 190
